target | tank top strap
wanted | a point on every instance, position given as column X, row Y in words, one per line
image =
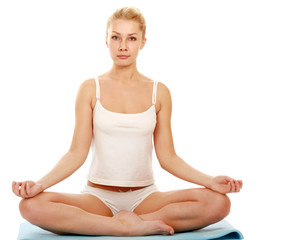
column 97, row 88
column 154, row 92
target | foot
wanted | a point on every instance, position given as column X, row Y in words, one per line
column 133, row 225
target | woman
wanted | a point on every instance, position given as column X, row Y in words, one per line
column 118, row 113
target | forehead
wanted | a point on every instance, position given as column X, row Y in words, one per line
column 124, row 26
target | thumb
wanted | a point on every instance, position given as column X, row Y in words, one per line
column 227, row 179
column 34, row 190
column 28, row 189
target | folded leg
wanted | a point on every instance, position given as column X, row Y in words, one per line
column 185, row 210
column 84, row 214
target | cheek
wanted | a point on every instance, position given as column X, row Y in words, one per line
column 112, row 47
column 135, row 47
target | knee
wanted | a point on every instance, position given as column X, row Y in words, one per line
column 28, row 209
column 220, row 207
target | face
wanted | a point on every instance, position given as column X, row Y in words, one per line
column 124, row 40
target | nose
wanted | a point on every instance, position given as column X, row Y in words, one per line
column 123, row 46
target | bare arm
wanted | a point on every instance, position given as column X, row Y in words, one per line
column 171, row 162
column 78, row 151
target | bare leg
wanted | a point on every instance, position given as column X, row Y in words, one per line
column 84, row 214
column 141, row 227
column 185, row 210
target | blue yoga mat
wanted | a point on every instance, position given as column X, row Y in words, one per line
column 218, row 231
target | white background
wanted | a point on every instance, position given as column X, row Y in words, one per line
column 223, row 61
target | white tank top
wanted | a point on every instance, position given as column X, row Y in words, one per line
column 122, row 145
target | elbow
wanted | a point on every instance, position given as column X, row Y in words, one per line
column 166, row 161
column 162, row 165
column 78, row 157
column 165, row 166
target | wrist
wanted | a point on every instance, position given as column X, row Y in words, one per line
column 208, row 181
column 42, row 185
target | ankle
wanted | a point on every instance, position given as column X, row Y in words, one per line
column 122, row 224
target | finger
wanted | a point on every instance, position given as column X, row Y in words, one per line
column 23, row 190
column 232, row 186
column 227, row 179
column 237, row 188
column 16, row 189
column 241, row 183
column 13, row 186
column 28, row 189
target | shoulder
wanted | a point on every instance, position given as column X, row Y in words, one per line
column 163, row 96
column 87, row 84
column 163, row 90
column 87, row 90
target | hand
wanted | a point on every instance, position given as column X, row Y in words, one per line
column 26, row 189
column 225, row 184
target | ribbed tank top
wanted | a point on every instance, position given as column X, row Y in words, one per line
column 122, row 145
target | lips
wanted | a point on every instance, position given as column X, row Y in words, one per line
column 123, row 56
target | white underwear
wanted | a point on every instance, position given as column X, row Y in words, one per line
column 117, row 201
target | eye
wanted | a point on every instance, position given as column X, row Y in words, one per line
column 132, row 38
column 114, row 37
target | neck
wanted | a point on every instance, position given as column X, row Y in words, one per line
column 124, row 74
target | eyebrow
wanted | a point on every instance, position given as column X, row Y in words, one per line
column 128, row 34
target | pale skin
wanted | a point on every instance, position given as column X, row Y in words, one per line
column 125, row 90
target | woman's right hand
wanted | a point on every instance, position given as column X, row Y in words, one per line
column 26, row 189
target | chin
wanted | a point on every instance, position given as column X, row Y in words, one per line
column 121, row 63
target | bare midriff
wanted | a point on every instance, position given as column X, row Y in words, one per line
column 113, row 188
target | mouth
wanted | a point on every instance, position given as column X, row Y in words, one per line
column 123, row 56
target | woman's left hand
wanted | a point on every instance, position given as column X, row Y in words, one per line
column 225, row 184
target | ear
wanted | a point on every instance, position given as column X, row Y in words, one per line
column 143, row 43
column 106, row 42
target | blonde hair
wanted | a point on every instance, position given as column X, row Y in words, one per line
column 128, row 13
